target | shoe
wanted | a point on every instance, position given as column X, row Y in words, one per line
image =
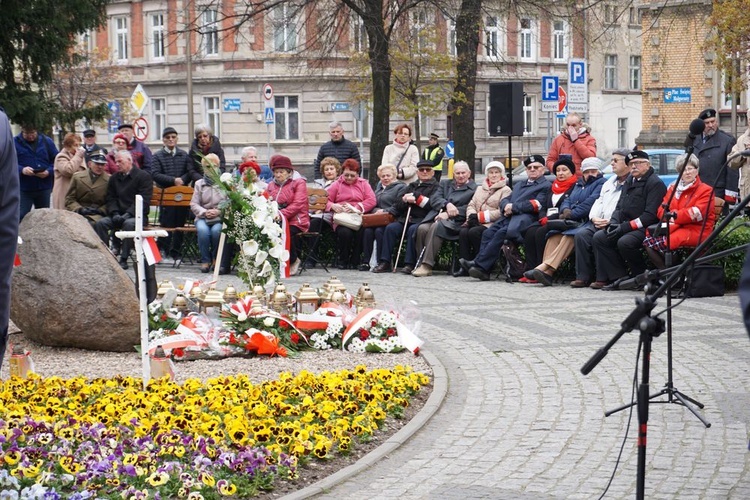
column 383, row 267
column 205, row 268
column 223, row 270
column 364, row 267
column 422, row 271
column 294, row 268
column 341, row 266
column 528, row 275
column 123, row 264
column 542, row 277
column 466, row 264
column 167, row 261
column 461, row 273
column 407, row 269
column 528, row 281
column 598, row 285
column 478, row 273
column 579, row 284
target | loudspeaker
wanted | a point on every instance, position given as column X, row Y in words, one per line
column 506, row 109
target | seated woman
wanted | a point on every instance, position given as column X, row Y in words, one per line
column 321, row 221
column 575, row 208
column 536, row 236
column 330, row 169
column 387, row 192
column 483, row 210
column 691, row 205
column 402, row 153
column 291, row 195
column 350, row 193
column 205, row 206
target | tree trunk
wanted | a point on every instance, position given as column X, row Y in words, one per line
column 380, row 65
column 467, row 43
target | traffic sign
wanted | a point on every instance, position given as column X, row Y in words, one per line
column 562, row 101
column 270, row 116
column 578, row 87
column 139, row 99
column 114, row 108
column 339, row 106
column 140, row 129
column 550, row 86
column 450, row 149
column 232, row 104
column 267, row 91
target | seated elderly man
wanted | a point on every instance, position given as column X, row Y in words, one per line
column 449, row 213
column 87, row 194
column 519, row 210
column 620, row 245
column 121, row 191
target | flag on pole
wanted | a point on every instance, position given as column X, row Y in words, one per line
column 151, row 251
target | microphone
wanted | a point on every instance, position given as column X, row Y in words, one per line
column 696, row 128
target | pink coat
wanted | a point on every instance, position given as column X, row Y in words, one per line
column 293, row 194
column 360, row 195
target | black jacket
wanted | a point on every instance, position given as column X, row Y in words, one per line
column 196, row 155
column 449, row 193
column 422, row 191
column 712, row 155
column 639, row 202
column 122, row 189
column 342, row 150
column 165, row 167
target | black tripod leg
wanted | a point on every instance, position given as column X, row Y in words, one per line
column 684, row 401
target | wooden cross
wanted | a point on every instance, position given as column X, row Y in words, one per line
column 138, row 235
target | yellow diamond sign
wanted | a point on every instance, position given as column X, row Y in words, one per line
column 139, row 99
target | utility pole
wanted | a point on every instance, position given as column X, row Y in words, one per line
column 189, row 68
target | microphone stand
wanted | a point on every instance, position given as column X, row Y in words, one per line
column 674, row 396
column 652, row 327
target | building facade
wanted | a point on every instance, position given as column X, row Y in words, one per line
column 230, row 67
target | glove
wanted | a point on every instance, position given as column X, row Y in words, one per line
column 613, row 232
column 127, row 215
column 566, row 214
column 118, row 220
column 82, row 211
column 473, row 220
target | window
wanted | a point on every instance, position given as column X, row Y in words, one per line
column 635, row 73
column 425, row 122
column 359, row 34
column 86, row 41
column 622, row 133
column 213, row 114
column 610, row 71
column 210, row 33
column 284, row 29
column 492, row 37
column 287, row 117
column 559, row 45
column 159, row 114
column 418, row 29
column 157, row 36
column 610, row 13
column 528, row 115
column 526, row 40
column 121, row 38
column 452, row 37
column 634, row 17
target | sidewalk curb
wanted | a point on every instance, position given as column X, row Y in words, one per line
column 439, row 391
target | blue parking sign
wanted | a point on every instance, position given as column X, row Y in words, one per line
column 577, row 72
column 550, row 88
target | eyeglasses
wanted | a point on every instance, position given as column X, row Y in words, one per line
column 636, row 163
column 690, row 167
column 424, row 169
column 534, row 167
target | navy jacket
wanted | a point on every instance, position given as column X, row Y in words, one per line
column 639, row 202
column 528, row 199
column 582, row 197
column 165, row 167
column 448, row 193
column 39, row 155
column 712, row 155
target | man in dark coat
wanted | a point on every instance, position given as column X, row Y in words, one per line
column 171, row 166
column 520, row 210
column 416, row 196
column 621, row 245
column 35, row 154
column 121, row 191
column 339, row 147
column 712, row 149
column 9, row 207
column 140, row 152
column 448, row 213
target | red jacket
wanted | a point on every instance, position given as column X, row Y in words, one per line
column 691, row 208
column 293, row 196
column 581, row 148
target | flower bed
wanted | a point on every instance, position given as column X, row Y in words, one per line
column 107, row 438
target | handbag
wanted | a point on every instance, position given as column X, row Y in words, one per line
column 705, row 281
column 562, row 224
column 377, row 220
column 352, row 220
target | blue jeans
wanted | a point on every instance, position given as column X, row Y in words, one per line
column 37, row 199
column 208, row 239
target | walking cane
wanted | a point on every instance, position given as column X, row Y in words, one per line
column 403, row 235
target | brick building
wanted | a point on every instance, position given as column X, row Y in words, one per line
column 230, row 68
column 680, row 79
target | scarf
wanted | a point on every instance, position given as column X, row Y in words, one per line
column 559, row 187
column 207, row 180
column 680, row 188
column 498, row 185
column 401, row 145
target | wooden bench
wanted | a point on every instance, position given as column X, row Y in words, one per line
column 176, row 196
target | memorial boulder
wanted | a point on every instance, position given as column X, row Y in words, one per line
column 69, row 290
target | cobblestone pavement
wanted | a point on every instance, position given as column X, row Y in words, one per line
column 519, row 420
